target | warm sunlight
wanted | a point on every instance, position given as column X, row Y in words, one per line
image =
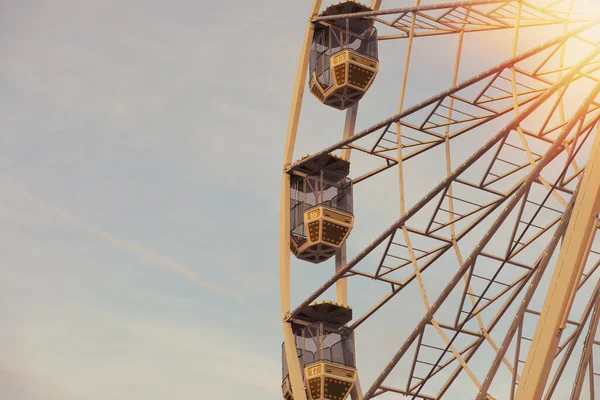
column 587, row 6
column 299, row 200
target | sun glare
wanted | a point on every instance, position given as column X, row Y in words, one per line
column 586, row 7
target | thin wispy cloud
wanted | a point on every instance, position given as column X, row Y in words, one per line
column 152, row 130
column 130, row 246
column 123, row 356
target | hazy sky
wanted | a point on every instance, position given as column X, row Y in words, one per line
column 140, row 156
column 140, row 153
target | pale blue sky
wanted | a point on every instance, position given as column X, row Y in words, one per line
column 135, row 142
column 140, row 157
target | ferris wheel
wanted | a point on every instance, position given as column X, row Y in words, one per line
column 497, row 265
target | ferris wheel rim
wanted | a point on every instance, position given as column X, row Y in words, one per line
column 287, row 313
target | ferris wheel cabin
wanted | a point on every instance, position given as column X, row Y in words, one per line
column 343, row 59
column 325, row 352
column 320, row 207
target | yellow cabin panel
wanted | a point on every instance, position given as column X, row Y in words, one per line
column 329, row 381
column 352, row 75
column 328, row 228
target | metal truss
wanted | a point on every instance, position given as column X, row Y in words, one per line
column 467, row 16
column 496, row 221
